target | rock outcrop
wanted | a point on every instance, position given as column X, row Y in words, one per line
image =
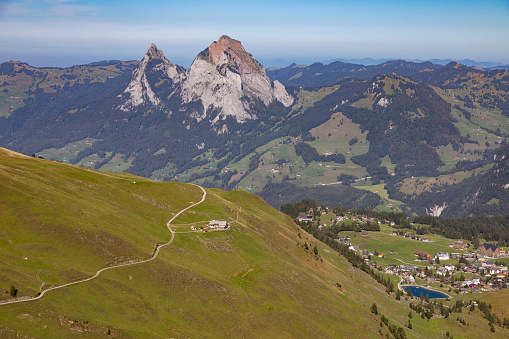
column 224, row 78
column 140, row 91
column 436, row 210
column 229, row 80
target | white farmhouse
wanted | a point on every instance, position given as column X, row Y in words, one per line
column 442, row 255
column 305, row 217
column 218, row 224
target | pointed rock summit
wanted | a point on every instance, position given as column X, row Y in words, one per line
column 228, row 79
column 154, row 53
column 238, row 59
column 224, row 80
column 140, row 91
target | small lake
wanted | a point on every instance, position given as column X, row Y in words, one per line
column 417, row 290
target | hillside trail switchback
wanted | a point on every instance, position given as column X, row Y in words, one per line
column 154, row 255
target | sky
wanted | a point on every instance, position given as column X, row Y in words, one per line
column 69, row 32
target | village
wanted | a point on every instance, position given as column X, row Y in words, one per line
column 417, row 259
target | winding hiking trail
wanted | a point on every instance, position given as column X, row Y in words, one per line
column 156, row 253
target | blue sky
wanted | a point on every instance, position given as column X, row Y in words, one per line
column 67, row 32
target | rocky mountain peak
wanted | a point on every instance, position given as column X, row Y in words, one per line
column 229, row 52
column 226, row 78
column 154, row 53
column 140, row 91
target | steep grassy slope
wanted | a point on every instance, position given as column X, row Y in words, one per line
column 59, row 223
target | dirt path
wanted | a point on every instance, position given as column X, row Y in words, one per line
column 156, row 253
column 340, row 182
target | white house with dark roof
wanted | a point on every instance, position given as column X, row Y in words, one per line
column 442, row 255
column 305, row 217
column 220, row 224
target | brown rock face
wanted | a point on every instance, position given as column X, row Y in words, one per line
column 237, row 58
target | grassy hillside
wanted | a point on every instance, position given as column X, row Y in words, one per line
column 60, row 223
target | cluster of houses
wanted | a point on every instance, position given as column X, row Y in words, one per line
column 495, row 277
column 308, row 217
column 491, row 277
column 440, row 256
column 459, row 245
column 487, row 276
column 423, row 255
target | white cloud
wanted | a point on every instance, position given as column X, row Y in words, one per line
column 81, row 31
column 63, row 24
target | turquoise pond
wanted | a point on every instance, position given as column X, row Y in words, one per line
column 417, row 290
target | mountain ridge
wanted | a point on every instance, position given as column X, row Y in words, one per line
column 223, row 78
column 223, row 122
column 139, row 89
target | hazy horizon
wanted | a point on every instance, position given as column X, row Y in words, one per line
column 49, row 61
column 69, row 32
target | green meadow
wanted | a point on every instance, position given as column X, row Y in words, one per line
column 384, row 242
column 60, row 223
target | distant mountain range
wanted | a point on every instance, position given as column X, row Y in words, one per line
column 282, row 63
column 319, row 74
column 402, row 130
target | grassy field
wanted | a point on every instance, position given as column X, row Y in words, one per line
column 366, row 102
column 68, row 152
column 307, row 98
column 180, row 292
column 387, row 203
column 118, row 163
column 479, row 127
column 423, row 184
column 498, row 300
column 102, row 213
column 384, row 242
column 339, row 128
column 304, row 175
column 59, row 223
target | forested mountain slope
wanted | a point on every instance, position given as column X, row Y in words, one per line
column 399, row 129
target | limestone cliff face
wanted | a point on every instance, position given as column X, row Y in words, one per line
column 281, row 95
column 139, row 91
column 228, row 79
column 224, row 78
